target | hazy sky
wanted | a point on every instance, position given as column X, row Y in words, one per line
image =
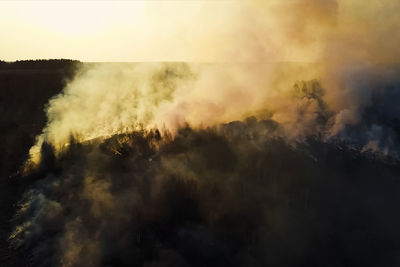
column 201, row 30
column 193, row 30
column 115, row 31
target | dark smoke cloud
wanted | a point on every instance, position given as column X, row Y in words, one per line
column 235, row 195
column 369, row 116
column 302, row 182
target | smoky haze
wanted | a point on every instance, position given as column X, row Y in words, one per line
column 239, row 195
column 343, row 39
column 153, row 166
column 248, row 162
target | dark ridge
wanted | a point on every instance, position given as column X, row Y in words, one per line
column 210, row 198
column 38, row 64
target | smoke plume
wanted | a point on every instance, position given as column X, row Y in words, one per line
column 253, row 162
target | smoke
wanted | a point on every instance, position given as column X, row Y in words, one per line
column 121, row 98
column 236, row 195
column 344, row 39
column 107, row 99
column 210, row 164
